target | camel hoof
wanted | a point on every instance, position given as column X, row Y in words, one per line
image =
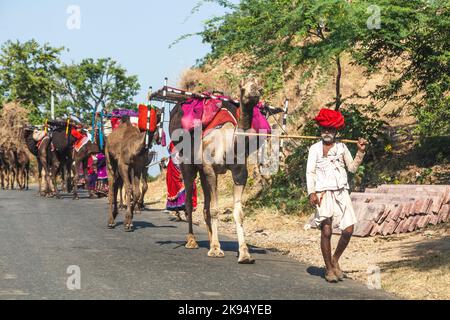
column 191, row 243
column 216, row 253
column 246, row 260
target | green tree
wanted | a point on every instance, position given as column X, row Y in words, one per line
column 281, row 35
column 415, row 37
column 27, row 74
column 412, row 39
column 94, row 85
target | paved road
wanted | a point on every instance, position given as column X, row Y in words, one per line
column 41, row 238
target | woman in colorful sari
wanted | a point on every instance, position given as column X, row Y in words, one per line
column 176, row 193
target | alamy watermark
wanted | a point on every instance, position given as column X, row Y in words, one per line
column 74, row 20
column 374, row 21
column 374, row 278
column 74, row 279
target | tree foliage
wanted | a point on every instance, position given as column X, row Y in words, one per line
column 281, row 35
column 93, row 85
column 28, row 74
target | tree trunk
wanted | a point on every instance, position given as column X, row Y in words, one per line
column 338, row 82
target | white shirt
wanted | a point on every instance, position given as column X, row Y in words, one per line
column 329, row 173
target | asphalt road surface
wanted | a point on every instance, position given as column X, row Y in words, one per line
column 42, row 238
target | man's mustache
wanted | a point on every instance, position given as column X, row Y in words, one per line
column 328, row 137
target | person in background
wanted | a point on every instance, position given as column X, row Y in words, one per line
column 102, row 175
column 176, row 193
column 92, row 174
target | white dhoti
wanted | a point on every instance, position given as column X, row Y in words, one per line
column 336, row 205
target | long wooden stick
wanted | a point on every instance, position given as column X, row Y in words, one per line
column 290, row 137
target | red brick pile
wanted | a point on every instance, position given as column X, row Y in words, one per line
column 397, row 209
column 391, row 209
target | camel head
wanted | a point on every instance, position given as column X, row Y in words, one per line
column 251, row 92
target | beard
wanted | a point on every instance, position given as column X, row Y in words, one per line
column 328, row 138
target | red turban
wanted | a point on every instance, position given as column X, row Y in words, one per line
column 330, row 118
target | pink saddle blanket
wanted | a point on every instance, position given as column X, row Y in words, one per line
column 202, row 112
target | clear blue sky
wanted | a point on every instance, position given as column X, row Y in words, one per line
column 136, row 33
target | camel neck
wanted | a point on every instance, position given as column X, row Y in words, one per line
column 245, row 121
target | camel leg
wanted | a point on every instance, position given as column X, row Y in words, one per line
column 27, row 181
column 112, row 197
column 207, row 204
column 212, row 215
column 123, row 169
column 189, row 172
column 240, row 178
column 75, row 167
column 39, row 177
column 12, row 178
column 144, row 189
column 121, row 204
column 54, row 175
column 136, row 193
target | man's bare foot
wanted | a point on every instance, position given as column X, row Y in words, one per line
column 331, row 277
column 337, row 270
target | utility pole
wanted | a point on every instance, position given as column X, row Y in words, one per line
column 52, row 106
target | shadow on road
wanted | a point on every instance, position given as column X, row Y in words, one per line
column 138, row 225
column 316, row 271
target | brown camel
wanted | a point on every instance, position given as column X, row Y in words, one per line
column 48, row 163
column 219, row 143
column 125, row 148
column 23, row 168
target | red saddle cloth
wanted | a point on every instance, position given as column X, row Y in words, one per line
column 222, row 117
column 80, row 143
column 147, row 118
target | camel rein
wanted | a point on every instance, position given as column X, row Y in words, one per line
column 289, row 137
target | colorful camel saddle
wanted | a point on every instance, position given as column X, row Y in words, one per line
column 210, row 114
column 80, row 143
column 144, row 119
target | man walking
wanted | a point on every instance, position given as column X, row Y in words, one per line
column 328, row 187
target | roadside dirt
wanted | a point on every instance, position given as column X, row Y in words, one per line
column 413, row 266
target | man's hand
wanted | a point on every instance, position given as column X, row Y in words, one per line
column 362, row 144
column 313, row 199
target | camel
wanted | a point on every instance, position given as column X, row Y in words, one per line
column 23, row 168
column 125, row 148
column 3, row 169
column 47, row 162
column 63, row 143
column 128, row 158
column 249, row 97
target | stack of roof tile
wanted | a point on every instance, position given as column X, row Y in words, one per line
column 391, row 209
